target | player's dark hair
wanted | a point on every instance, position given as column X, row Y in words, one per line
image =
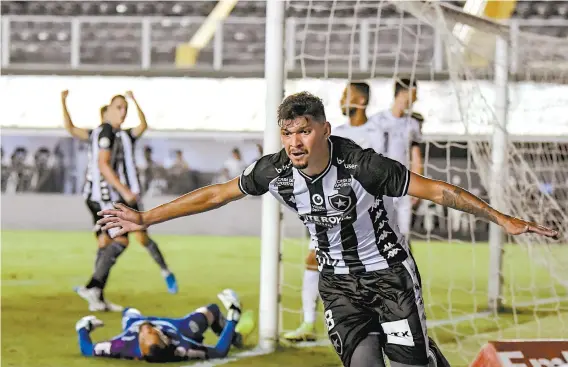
column 160, row 354
column 403, row 84
column 363, row 89
column 42, row 150
column 103, row 110
column 301, row 104
column 116, row 97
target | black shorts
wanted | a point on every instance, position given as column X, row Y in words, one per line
column 386, row 302
column 97, row 206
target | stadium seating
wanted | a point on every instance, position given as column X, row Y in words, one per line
column 117, row 41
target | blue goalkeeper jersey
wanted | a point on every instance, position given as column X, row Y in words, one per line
column 126, row 346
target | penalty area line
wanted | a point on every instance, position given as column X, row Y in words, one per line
column 233, row 358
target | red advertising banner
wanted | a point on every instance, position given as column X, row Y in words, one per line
column 523, row 353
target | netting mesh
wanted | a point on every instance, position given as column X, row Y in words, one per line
column 377, row 41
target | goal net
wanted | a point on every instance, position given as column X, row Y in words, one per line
column 460, row 63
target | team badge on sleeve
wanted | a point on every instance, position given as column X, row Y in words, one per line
column 249, row 169
column 104, row 142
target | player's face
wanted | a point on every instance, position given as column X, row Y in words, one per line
column 114, row 115
column 121, row 105
column 303, row 140
column 351, row 100
column 407, row 98
column 149, row 336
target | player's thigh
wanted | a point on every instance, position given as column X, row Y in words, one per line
column 193, row 325
column 95, row 207
column 311, row 259
column 346, row 322
column 402, row 317
column 103, row 237
column 368, row 353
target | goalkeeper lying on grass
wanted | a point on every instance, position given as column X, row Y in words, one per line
column 157, row 339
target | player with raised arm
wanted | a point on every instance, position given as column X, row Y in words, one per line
column 128, row 185
column 343, row 194
column 160, row 339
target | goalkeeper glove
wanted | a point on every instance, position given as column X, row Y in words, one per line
column 231, row 301
column 89, row 323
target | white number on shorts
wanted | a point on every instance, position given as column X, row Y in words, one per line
column 329, row 320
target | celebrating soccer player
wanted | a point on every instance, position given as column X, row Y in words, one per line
column 159, row 339
column 343, row 194
column 393, row 133
column 111, row 176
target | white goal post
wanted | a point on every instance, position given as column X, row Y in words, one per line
column 508, row 169
column 270, row 235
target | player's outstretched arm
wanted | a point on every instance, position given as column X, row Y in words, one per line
column 76, row 132
column 457, row 198
column 198, row 201
column 138, row 130
column 84, row 327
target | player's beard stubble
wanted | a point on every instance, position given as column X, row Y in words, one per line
column 303, row 165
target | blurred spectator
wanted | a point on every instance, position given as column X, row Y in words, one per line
column 223, row 176
column 21, row 173
column 260, row 150
column 235, row 164
column 58, row 169
column 149, row 171
column 158, row 185
column 5, row 171
column 181, row 179
column 42, row 178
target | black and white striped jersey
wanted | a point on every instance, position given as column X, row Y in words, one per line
column 121, row 144
column 348, row 208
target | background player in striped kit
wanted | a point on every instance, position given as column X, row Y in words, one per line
column 392, row 133
column 127, row 182
column 343, row 194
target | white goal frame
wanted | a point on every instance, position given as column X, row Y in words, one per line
column 271, row 211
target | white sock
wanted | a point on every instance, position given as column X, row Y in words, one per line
column 310, row 295
column 165, row 273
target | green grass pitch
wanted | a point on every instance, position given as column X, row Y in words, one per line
column 39, row 308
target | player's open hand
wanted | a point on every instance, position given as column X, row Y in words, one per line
column 516, row 226
column 64, row 94
column 124, row 218
column 129, row 94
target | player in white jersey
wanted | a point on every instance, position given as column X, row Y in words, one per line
column 398, row 135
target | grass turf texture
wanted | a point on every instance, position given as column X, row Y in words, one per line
column 39, row 308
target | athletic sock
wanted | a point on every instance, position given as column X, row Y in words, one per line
column 310, row 295
column 156, row 254
column 98, row 257
column 106, row 260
